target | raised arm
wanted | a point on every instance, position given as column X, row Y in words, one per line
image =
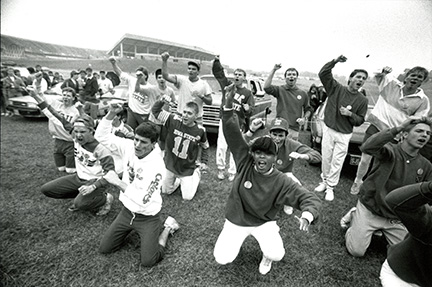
column 218, row 72
column 326, row 76
column 269, row 79
column 115, row 66
column 170, row 78
column 375, row 144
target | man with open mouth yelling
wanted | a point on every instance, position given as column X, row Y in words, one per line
column 396, row 102
column 395, row 166
column 258, row 193
column 346, row 107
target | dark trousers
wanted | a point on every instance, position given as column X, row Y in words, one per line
column 67, row 187
column 148, row 229
column 64, row 153
column 134, row 119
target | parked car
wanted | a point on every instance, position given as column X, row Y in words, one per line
column 211, row 112
column 354, row 153
column 26, row 106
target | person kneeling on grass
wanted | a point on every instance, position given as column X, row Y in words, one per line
column 92, row 161
column 258, row 193
column 288, row 149
column 183, row 140
column 140, row 190
column 395, row 165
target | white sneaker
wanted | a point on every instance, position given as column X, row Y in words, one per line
column 288, row 209
column 329, row 194
column 171, row 224
column 347, row 218
column 221, row 174
column 321, row 187
column 107, row 206
column 355, row 188
column 265, row 265
column 231, row 176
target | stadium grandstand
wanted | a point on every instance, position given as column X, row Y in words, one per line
column 134, row 46
column 14, row 47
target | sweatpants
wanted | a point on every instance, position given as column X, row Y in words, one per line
column 148, row 227
column 67, row 187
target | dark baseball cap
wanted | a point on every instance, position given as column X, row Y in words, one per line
column 279, row 124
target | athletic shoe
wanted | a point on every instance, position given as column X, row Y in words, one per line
column 265, row 265
column 171, row 224
column 70, row 170
column 288, row 209
column 107, row 206
column 220, row 174
column 355, row 188
column 231, row 176
column 347, row 218
column 329, row 194
column 321, row 187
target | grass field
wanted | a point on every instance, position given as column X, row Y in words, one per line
column 42, row 244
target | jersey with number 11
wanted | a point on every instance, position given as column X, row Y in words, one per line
column 181, row 145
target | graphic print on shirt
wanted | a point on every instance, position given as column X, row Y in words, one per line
column 237, row 106
column 84, row 158
column 181, row 143
column 132, row 173
column 154, row 185
column 140, row 97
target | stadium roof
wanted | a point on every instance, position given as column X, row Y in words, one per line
column 135, row 44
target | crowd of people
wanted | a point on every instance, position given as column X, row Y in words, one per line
column 157, row 152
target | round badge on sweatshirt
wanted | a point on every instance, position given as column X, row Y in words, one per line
column 419, row 171
column 248, row 184
column 279, row 161
column 299, row 97
column 349, row 107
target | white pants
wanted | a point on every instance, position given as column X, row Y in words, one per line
column 221, row 151
column 232, row 237
column 334, row 149
column 390, row 279
column 188, row 184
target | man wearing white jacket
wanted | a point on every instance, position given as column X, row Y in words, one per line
column 140, row 190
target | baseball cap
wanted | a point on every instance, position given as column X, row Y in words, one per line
column 194, row 64
column 279, row 124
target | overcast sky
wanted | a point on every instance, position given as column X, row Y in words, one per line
column 253, row 34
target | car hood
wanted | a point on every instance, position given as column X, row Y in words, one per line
column 24, row 99
column 216, row 99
